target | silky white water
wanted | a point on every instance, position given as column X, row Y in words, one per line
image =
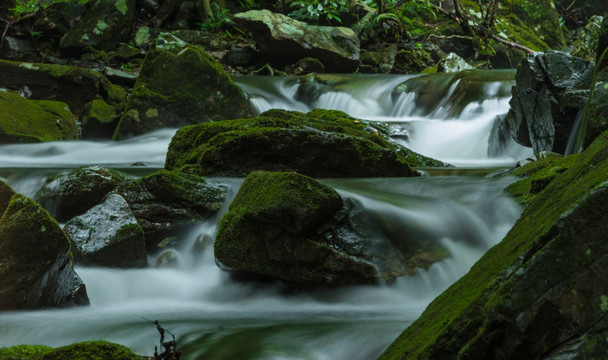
column 216, row 317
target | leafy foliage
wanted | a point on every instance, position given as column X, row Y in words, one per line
column 29, row 6
column 318, row 10
column 218, row 18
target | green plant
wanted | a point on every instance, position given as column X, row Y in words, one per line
column 217, row 18
column 316, row 10
column 30, row 6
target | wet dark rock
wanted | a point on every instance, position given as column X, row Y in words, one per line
column 241, row 56
column 180, row 84
column 72, row 194
column 284, row 40
column 306, row 66
column 108, row 235
column 550, row 88
column 37, row 270
column 280, row 140
column 167, row 202
column 379, row 60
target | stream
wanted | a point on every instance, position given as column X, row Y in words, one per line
column 214, row 317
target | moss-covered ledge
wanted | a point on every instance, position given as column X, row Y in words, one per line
column 88, row 350
column 541, row 292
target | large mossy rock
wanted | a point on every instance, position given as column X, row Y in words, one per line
column 284, row 40
column 72, row 194
column 36, row 269
column 108, row 235
column 28, row 121
column 180, row 84
column 533, row 23
column 551, row 88
column 321, row 143
column 103, row 26
column 88, row 350
column 270, row 231
column 539, row 294
column 167, row 202
column 72, row 85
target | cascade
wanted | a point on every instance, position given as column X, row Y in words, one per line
column 215, row 317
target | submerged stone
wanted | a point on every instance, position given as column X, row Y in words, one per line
column 36, row 268
column 108, row 235
column 167, row 202
column 321, row 143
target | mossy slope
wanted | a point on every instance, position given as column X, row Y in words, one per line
column 539, row 288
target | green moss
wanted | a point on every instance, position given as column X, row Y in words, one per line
column 454, row 320
column 91, row 350
column 537, row 175
column 34, row 121
column 24, row 352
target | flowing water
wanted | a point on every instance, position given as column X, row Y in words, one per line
column 215, row 317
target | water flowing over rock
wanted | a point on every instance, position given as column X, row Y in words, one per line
column 550, row 90
column 285, row 40
column 25, row 121
column 108, row 235
column 72, row 194
column 166, row 202
column 103, row 26
column 321, row 143
column 270, row 231
column 73, row 85
column 541, row 292
column 37, row 269
column 180, row 84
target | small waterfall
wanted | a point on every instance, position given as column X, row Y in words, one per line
column 445, row 116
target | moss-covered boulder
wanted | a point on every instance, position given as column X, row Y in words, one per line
column 541, row 292
column 168, row 202
column 284, row 40
column 103, row 26
column 70, row 194
column 108, row 235
column 270, row 231
column 88, row 350
column 98, row 120
column 180, row 84
column 74, row 85
column 27, row 121
column 597, row 109
column 36, row 269
column 321, row 143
